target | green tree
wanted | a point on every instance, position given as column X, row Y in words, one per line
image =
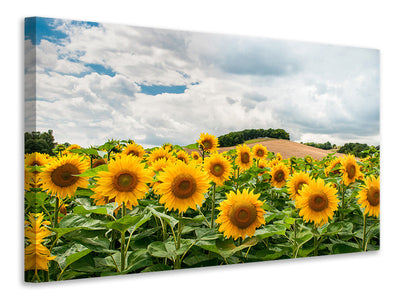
column 36, row 141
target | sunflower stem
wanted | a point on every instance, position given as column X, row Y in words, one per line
column 237, row 178
column 316, row 244
column 56, row 208
column 213, row 206
column 364, row 242
column 342, row 203
column 123, row 240
column 177, row 262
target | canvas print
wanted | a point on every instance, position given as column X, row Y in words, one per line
column 155, row 150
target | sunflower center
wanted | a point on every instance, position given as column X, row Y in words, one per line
column 207, row 144
column 318, row 202
column 243, row 215
column 279, row 176
column 351, row 171
column 217, row 170
column 260, row 152
column 35, row 163
column 245, row 157
column 133, row 152
column 63, row 175
column 373, row 196
column 300, row 186
column 183, row 186
column 125, row 181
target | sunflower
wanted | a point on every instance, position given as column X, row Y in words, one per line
column 73, row 146
column 308, row 159
column 37, row 256
column 278, row 156
column 259, row 151
column 273, row 162
column 159, row 166
column 336, row 162
column 182, row 156
column 218, row 168
column 37, row 159
column 370, row 196
column 182, row 186
column 244, row 158
column 167, row 146
column 157, row 154
column 296, row 182
column 279, row 174
column 195, row 155
column 317, row 202
column 134, row 149
column 350, row 169
column 100, row 199
column 59, row 177
column 262, row 164
column 126, row 180
column 208, row 142
column 240, row 214
column 29, row 179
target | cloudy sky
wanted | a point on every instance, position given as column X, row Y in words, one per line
column 100, row 81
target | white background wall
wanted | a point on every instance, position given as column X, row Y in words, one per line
column 368, row 24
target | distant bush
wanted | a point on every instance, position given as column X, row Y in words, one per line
column 356, row 149
column 325, row 146
column 239, row 137
column 42, row 142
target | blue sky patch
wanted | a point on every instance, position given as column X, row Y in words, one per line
column 37, row 29
column 102, row 70
column 161, row 89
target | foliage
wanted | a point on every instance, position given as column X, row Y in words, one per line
column 239, row 137
column 39, row 142
column 357, row 149
column 106, row 239
column 325, row 146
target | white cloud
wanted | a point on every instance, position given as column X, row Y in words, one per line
column 312, row 91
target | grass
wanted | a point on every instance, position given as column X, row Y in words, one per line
column 258, row 140
column 191, row 146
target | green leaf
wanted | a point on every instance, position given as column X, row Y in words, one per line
column 156, row 268
column 67, row 254
column 127, row 222
column 93, row 209
column 303, row 237
column 74, row 257
column 35, row 168
column 344, row 248
column 289, row 220
column 81, row 222
column 83, row 192
column 207, row 234
column 93, row 172
column 167, row 249
column 270, row 230
column 36, row 198
column 138, row 259
column 94, row 243
column 88, row 151
column 196, row 220
column 169, row 219
column 226, row 247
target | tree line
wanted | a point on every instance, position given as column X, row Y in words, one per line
column 239, row 137
column 325, row 146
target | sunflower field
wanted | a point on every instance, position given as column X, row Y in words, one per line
column 119, row 208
